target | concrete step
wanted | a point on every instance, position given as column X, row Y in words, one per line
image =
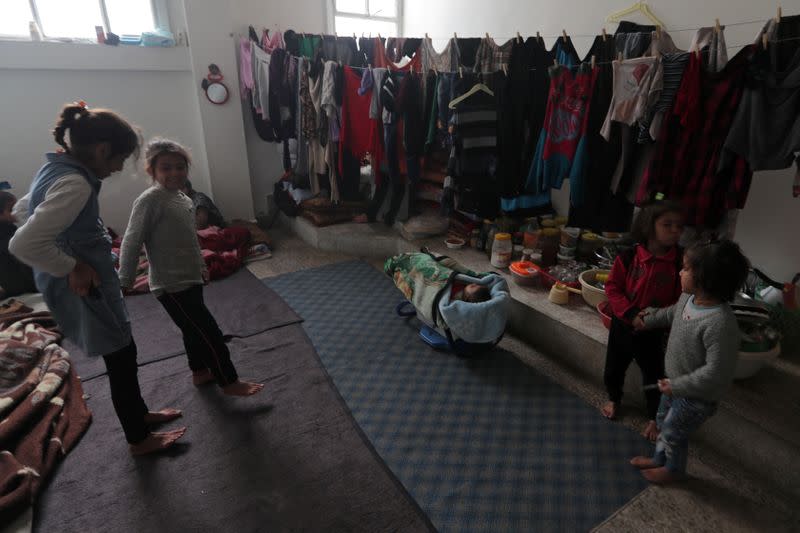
column 757, row 425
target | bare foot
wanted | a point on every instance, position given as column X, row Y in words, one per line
column 361, row 219
column 156, row 442
column 609, row 410
column 661, row 475
column 643, row 463
column 242, row 388
column 201, row 377
column 650, row 431
column 162, row 417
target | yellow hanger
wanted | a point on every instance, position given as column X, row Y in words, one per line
column 778, row 18
column 717, row 27
column 519, row 38
column 638, row 7
column 593, row 62
column 605, row 35
column 564, row 35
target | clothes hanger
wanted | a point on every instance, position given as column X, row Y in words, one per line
column 475, row 88
column 638, row 7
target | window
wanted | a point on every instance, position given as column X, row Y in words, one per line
column 77, row 19
column 366, row 17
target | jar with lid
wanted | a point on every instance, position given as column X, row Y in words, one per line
column 548, row 244
column 530, row 233
column 502, row 250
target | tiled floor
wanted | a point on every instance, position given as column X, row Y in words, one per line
column 718, row 498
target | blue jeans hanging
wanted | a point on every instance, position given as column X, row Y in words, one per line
column 678, row 418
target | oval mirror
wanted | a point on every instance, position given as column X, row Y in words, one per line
column 217, row 92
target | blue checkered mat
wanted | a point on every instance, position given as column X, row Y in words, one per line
column 483, row 444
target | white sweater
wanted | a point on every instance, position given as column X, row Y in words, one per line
column 164, row 222
column 34, row 243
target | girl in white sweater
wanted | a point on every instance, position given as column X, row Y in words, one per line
column 163, row 220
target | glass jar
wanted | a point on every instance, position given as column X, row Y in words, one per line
column 502, row 250
column 490, row 239
column 548, row 244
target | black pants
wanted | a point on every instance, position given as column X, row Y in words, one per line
column 202, row 338
column 123, row 379
column 625, row 345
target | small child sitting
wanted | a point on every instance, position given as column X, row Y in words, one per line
column 15, row 277
column 701, row 352
column 472, row 292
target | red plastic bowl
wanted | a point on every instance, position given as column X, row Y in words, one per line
column 605, row 314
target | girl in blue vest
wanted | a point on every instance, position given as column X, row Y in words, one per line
column 66, row 243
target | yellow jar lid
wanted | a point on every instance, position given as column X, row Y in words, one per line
column 502, row 236
column 590, row 237
column 550, row 232
column 560, row 220
column 548, row 223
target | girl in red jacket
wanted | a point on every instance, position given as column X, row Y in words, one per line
column 646, row 276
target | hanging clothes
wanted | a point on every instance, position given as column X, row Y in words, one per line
column 602, row 210
column 468, row 51
column 270, row 44
column 246, row 81
column 366, row 46
column 491, row 57
column 689, row 163
column 309, row 44
column 359, row 133
column 448, row 60
column 637, row 86
column 766, row 129
column 711, row 42
column 473, row 158
column 673, row 66
column 561, row 152
column 564, row 52
column 380, row 59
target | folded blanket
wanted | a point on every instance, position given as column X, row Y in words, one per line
column 42, row 410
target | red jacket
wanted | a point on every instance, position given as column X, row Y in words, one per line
column 647, row 281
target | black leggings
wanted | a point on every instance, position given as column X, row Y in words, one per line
column 625, row 345
column 125, row 394
column 202, row 338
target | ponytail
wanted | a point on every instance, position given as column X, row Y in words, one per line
column 89, row 127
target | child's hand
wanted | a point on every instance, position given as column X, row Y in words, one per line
column 638, row 323
column 665, row 386
column 206, row 277
column 82, row 279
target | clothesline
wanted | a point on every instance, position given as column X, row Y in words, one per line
column 586, row 35
column 611, row 62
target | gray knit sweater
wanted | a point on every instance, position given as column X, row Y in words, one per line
column 701, row 352
column 164, row 222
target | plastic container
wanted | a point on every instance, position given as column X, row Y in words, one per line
column 561, row 221
column 588, row 244
column 569, row 237
column 502, row 250
column 536, row 257
column 524, row 273
column 591, row 294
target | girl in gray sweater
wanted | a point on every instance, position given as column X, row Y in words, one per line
column 701, row 352
column 162, row 218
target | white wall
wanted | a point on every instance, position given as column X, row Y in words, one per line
column 209, row 26
column 767, row 227
column 36, row 79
